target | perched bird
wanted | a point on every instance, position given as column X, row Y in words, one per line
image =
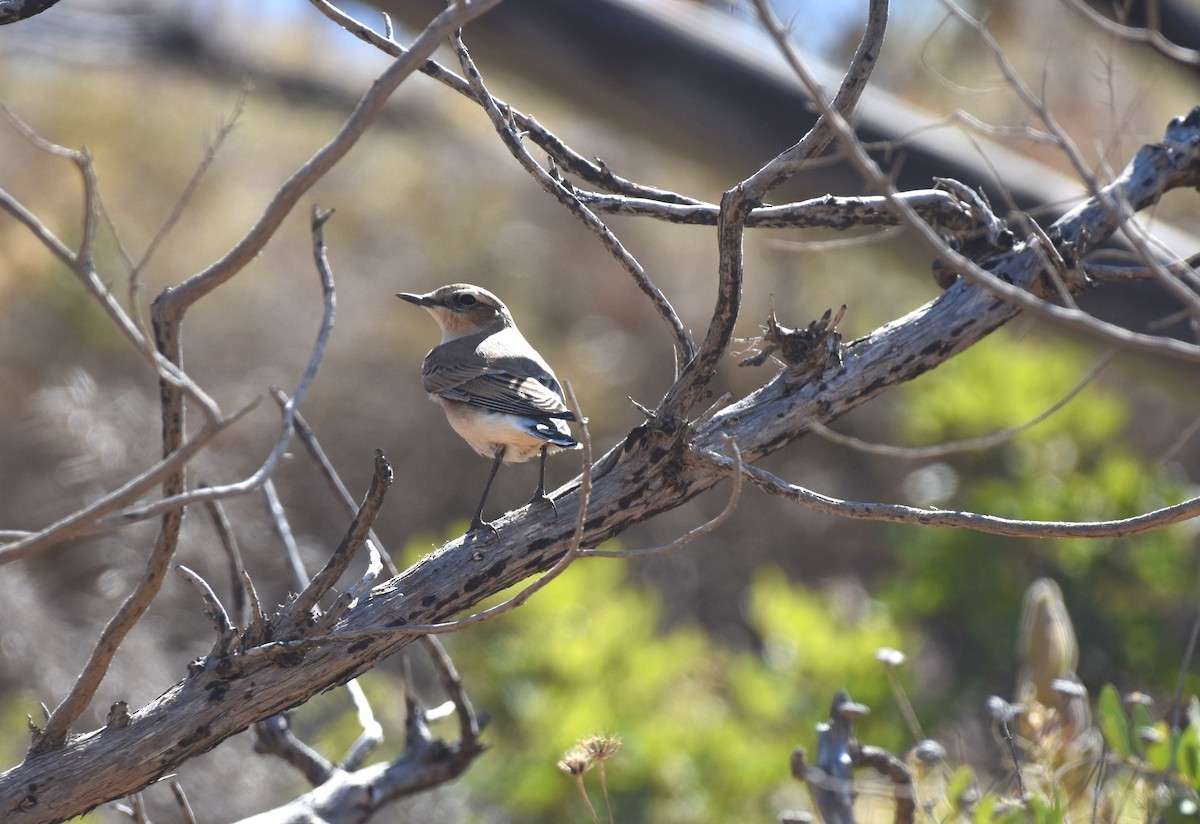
column 498, row 393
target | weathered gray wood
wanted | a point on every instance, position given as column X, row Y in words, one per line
column 652, row 470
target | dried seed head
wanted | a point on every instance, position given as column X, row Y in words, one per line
column 601, row 747
column 575, row 761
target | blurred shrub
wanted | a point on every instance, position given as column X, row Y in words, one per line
column 707, row 730
column 1129, row 597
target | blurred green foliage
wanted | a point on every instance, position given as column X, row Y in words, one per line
column 707, row 730
column 1124, row 595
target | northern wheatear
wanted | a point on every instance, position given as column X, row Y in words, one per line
column 498, row 393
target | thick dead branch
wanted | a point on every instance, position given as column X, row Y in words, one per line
column 12, row 11
column 346, row 795
column 640, row 477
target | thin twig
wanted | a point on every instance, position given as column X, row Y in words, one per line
column 233, row 555
column 966, row 444
column 738, row 202
column 81, row 264
column 96, row 516
column 372, row 730
column 287, row 428
column 174, row 302
column 1177, row 445
column 684, row 347
column 990, row 524
column 1168, row 151
column 283, row 530
column 1150, row 36
column 181, row 801
column 468, row 723
column 309, row 438
column 300, row 608
column 1110, row 199
column 595, row 172
column 226, row 633
column 1184, row 667
column 185, row 197
column 734, row 496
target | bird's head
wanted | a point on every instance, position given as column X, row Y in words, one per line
column 462, row 309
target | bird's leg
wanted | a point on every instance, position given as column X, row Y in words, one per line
column 539, row 494
column 477, row 522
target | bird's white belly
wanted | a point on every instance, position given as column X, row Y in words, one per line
column 487, row 431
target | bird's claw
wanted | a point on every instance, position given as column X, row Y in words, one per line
column 542, row 499
column 483, row 529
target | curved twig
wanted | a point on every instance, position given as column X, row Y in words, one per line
column 249, row 484
column 686, row 538
column 966, row 444
column 738, row 202
column 595, row 172
column 175, row 301
column 991, row 524
column 1155, row 169
column 684, row 347
column 1151, row 37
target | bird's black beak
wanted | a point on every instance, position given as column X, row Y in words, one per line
column 419, row 300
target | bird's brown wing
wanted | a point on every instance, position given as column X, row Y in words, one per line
column 496, row 390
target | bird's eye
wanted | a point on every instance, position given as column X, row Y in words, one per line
column 467, row 300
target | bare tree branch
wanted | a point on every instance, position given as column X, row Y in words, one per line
column 898, row 513
column 309, row 439
column 595, row 172
column 12, row 11
column 296, row 613
column 274, row 737
column 174, row 302
column 684, row 348
column 662, row 463
column 737, row 203
column 1150, row 36
column 224, row 529
column 1151, row 172
column 346, row 795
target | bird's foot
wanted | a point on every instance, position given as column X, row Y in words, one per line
column 540, row 498
column 483, row 530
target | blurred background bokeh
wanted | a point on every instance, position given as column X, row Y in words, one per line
column 711, row 662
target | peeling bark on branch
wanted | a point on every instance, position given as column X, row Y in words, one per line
column 654, row 469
